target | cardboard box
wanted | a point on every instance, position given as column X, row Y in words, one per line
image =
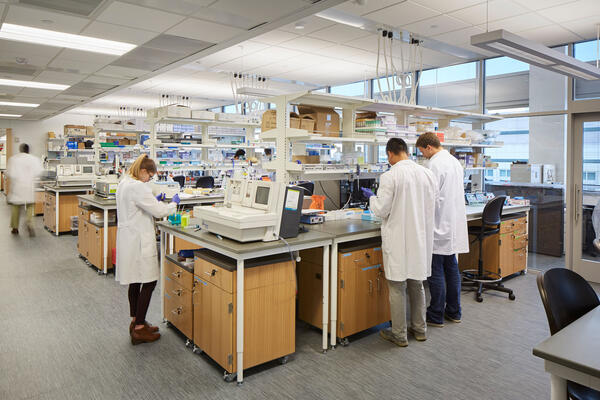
column 201, row 114
column 307, row 122
column 269, row 120
column 51, row 135
column 75, row 130
column 306, row 159
column 528, row 173
column 123, row 142
column 89, row 131
column 294, row 120
column 327, row 120
column 81, row 145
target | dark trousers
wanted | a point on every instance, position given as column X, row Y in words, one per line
column 444, row 287
column 139, row 300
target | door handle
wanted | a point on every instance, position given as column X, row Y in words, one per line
column 577, row 202
column 370, row 287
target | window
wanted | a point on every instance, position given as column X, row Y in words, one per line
column 322, row 90
column 230, row 109
column 215, row 110
column 586, row 51
column 514, row 132
column 591, row 155
column 506, row 85
column 452, row 87
column 386, row 88
column 356, row 89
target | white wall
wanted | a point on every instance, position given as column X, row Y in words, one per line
column 35, row 133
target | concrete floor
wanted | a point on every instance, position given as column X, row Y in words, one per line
column 63, row 335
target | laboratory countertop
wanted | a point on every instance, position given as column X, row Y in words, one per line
column 475, row 212
column 97, row 201
column 528, row 184
column 575, row 346
column 346, row 227
column 241, row 249
column 67, row 189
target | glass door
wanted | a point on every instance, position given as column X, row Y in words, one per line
column 586, row 195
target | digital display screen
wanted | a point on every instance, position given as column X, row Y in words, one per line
column 262, row 195
column 88, row 169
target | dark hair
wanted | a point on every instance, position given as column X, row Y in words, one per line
column 396, row 146
column 240, row 153
column 24, row 148
column 429, row 139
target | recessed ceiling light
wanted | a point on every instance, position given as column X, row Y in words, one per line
column 31, row 84
column 47, row 37
column 14, row 104
column 299, row 25
column 11, row 115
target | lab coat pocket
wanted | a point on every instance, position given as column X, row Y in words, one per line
column 148, row 246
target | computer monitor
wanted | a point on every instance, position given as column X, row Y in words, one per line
column 87, row 169
column 262, row 195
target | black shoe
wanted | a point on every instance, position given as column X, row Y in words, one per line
column 15, row 231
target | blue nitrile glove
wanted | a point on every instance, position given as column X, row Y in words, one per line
column 367, row 192
column 160, row 197
column 176, row 199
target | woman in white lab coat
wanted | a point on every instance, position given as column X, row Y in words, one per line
column 450, row 235
column 405, row 203
column 137, row 260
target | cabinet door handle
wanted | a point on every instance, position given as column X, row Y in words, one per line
column 176, row 274
column 379, row 285
column 370, row 287
column 177, row 311
column 177, row 292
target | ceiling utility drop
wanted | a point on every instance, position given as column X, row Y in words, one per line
column 47, row 37
column 519, row 48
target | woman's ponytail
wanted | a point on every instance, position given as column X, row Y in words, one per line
column 142, row 162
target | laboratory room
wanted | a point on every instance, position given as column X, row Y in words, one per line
column 294, row 199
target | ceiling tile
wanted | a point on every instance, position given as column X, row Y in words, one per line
column 311, row 24
column 460, row 36
column 498, row 9
column 83, row 62
column 204, row 30
column 339, row 33
column 184, row 7
column 352, row 7
column 27, row 49
column 138, row 17
column 118, row 33
column 33, row 60
column 432, row 57
column 35, row 17
column 436, row 25
column 259, row 10
column 105, row 80
column 343, row 52
column 225, row 18
column 550, row 35
column 306, row 44
column 37, row 93
column 535, row 5
column 368, row 43
column 586, row 28
column 519, row 23
column 447, row 6
column 275, row 37
column 59, row 77
column 571, row 11
column 120, row 72
column 402, row 14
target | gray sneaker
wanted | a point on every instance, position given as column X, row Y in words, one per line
column 420, row 336
column 388, row 335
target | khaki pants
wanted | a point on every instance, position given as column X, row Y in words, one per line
column 16, row 214
column 416, row 296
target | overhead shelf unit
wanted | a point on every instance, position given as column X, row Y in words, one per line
column 285, row 136
column 102, row 132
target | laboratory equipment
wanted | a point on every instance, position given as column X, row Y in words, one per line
column 74, row 175
column 170, row 189
column 106, row 186
column 254, row 210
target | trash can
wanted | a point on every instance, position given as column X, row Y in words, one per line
column 74, row 225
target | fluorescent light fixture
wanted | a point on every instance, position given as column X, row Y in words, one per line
column 13, row 104
column 519, row 48
column 11, row 115
column 46, row 37
column 34, row 85
column 342, row 18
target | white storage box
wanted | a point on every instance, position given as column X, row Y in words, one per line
column 172, row 111
column 202, row 114
column 528, row 173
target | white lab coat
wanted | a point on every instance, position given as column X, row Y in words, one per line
column 22, row 170
column 405, row 202
column 450, row 235
column 137, row 260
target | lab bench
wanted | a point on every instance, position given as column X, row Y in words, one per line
column 235, row 329
column 60, row 204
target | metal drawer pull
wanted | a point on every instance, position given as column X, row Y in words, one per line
column 177, row 292
column 211, row 273
column 177, row 311
column 176, row 274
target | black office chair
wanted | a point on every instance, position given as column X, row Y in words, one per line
column 479, row 278
column 207, row 182
column 566, row 297
column 309, row 188
column 180, row 179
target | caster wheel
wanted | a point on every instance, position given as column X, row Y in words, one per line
column 169, row 325
column 522, row 272
column 229, row 377
column 511, row 296
column 324, row 351
column 479, row 299
column 283, row 360
column 188, row 343
column 345, row 342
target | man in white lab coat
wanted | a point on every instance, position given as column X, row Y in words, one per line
column 22, row 170
column 450, row 235
column 405, row 203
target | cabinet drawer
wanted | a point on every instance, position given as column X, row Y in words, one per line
column 83, row 214
column 520, row 226
column 179, row 275
column 214, row 274
column 520, row 241
column 519, row 260
column 507, row 226
column 360, row 258
column 178, row 307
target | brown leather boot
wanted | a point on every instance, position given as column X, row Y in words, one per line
column 143, row 336
column 146, row 324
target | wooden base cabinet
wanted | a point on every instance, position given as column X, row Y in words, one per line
column 269, row 308
column 362, row 300
column 504, row 253
column 90, row 243
column 39, row 203
column 179, row 286
column 68, row 204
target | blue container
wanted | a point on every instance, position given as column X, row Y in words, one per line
column 71, row 144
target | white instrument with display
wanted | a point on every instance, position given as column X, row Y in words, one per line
column 254, row 210
column 75, row 175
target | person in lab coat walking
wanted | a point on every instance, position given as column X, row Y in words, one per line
column 137, row 260
column 22, row 170
column 450, row 235
column 405, row 202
